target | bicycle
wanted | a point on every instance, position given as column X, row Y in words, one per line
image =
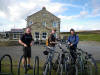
column 75, row 64
column 63, row 61
column 89, row 64
column 48, row 64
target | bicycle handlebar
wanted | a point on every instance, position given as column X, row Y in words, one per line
column 50, row 49
column 63, row 50
column 68, row 46
column 81, row 50
column 84, row 52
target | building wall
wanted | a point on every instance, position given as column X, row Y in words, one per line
column 43, row 21
column 15, row 36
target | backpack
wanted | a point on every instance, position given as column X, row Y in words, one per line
column 47, row 42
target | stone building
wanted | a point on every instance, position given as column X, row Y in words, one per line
column 14, row 34
column 41, row 24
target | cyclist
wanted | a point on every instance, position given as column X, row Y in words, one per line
column 73, row 40
column 26, row 40
column 51, row 41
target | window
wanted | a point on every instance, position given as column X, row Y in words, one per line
column 44, row 14
column 54, row 24
column 44, row 34
column 20, row 35
column 44, row 23
column 37, row 35
column 30, row 22
column 7, row 35
column 15, row 36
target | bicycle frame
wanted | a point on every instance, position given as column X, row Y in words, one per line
column 49, row 60
column 64, row 59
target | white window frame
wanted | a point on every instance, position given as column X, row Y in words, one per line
column 30, row 23
column 44, row 23
column 55, row 24
column 15, row 34
column 4, row 34
column 56, row 35
column 44, row 14
column 35, row 36
column 45, row 35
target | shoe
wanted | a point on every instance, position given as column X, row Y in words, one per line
column 29, row 67
column 24, row 67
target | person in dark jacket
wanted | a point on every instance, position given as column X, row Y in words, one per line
column 52, row 38
column 73, row 40
column 26, row 41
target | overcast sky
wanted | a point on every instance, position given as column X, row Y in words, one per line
column 77, row 14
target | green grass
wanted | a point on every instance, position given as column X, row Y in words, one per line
column 9, row 43
column 6, row 68
column 89, row 37
column 98, row 64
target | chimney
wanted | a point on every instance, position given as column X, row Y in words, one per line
column 43, row 8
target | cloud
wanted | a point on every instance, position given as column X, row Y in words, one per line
column 96, row 11
column 16, row 11
column 7, row 27
column 85, row 11
column 78, row 16
column 20, row 10
column 96, row 7
column 2, row 14
column 65, row 27
column 57, row 8
column 73, row 5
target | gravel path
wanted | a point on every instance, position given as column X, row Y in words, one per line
column 91, row 47
column 16, row 51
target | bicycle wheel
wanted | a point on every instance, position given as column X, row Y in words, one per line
column 45, row 72
column 55, row 65
column 88, row 69
column 50, row 67
column 44, row 66
column 73, row 70
column 91, row 67
column 58, row 69
column 76, row 70
column 67, row 69
column 95, row 68
column 79, row 64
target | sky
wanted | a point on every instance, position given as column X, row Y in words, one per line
column 78, row 14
